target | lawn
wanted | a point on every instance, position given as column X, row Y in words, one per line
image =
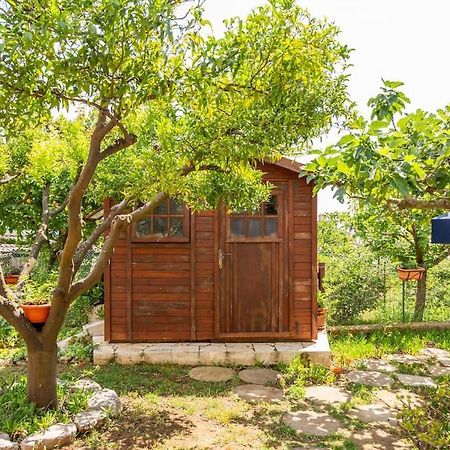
column 165, row 409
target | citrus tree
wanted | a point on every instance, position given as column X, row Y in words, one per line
column 170, row 110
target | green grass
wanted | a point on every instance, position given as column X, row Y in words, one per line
column 20, row 418
column 350, row 347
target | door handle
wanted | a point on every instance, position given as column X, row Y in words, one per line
column 221, row 256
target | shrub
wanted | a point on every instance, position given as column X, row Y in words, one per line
column 428, row 426
column 352, row 286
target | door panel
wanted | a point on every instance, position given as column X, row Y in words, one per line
column 253, row 293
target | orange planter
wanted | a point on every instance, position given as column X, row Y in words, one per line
column 321, row 318
column 11, row 279
column 410, row 274
column 36, row 313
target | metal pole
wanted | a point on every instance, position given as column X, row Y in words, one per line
column 403, row 301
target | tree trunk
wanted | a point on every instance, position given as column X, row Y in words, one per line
column 41, row 371
column 421, row 295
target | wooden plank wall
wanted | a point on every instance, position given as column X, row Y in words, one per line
column 166, row 292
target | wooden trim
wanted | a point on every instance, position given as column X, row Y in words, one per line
column 129, row 287
column 217, row 276
column 107, row 279
column 256, row 335
column 314, row 267
column 290, row 252
column 193, row 273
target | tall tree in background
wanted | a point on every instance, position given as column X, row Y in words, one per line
column 396, row 159
column 404, row 237
column 171, row 113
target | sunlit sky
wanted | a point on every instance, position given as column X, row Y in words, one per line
column 395, row 40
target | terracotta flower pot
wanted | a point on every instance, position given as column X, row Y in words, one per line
column 321, row 318
column 410, row 274
column 36, row 313
column 11, row 279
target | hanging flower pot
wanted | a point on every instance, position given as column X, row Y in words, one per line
column 11, row 279
column 36, row 313
column 321, row 318
column 410, row 274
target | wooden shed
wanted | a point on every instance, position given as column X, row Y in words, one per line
column 212, row 276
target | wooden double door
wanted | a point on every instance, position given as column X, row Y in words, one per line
column 253, row 271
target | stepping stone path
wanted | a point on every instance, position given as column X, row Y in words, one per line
column 258, row 393
column 438, row 371
column 415, row 380
column 375, row 413
column 432, row 352
column 259, row 376
column 377, row 439
column 398, row 399
column 378, row 365
column 408, row 359
column 370, row 378
column 327, row 394
column 311, row 422
column 211, row 374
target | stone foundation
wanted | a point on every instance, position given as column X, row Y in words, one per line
column 206, row 353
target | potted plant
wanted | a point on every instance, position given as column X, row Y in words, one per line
column 12, row 277
column 408, row 270
column 36, row 310
column 35, row 301
column 321, row 314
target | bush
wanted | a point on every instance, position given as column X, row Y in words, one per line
column 19, row 417
column 428, row 426
column 352, row 286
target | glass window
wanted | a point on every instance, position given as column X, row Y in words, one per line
column 270, row 227
column 237, row 226
column 254, row 227
column 169, row 221
column 270, row 208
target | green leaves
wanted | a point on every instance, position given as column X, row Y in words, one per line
column 390, row 157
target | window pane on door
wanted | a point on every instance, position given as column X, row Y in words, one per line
column 254, row 228
column 271, row 227
column 237, row 226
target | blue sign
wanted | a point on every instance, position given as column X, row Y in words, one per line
column 440, row 229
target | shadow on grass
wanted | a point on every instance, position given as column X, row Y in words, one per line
column 162, row 380
column 138, row 429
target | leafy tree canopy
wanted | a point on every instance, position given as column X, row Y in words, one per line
column 395, row 158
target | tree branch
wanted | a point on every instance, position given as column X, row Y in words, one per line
column 102, row 228
column 445, row 254
column 41, row 237
column 7, row 178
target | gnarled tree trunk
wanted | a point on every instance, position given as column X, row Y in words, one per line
column 421, row 296
column 41, row 375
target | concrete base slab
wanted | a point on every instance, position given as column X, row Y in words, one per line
column 215, row 353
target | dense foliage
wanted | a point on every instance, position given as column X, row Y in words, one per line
column 428, row 425
column 395, row 158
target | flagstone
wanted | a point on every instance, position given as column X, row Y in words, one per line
column 371, row 378
column 312, row 422
column 327, row 394
column 258, row 393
